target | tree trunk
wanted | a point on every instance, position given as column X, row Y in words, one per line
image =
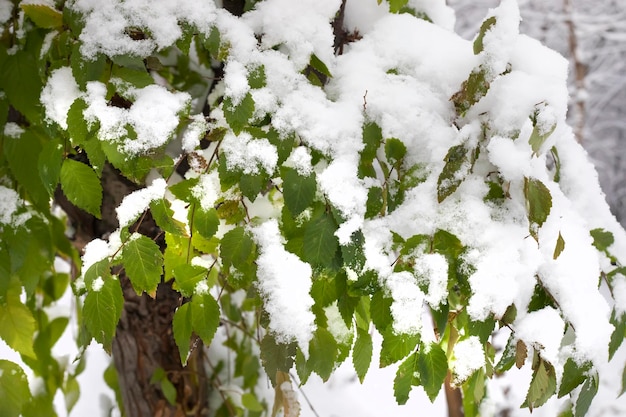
column 144, row 340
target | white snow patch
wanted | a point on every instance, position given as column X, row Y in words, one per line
column 284, row 282
column 58, row 95
column 406, row 307
column 138, row 201
column 542, row 329
column 468, row 357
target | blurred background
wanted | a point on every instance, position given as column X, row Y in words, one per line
column 592, row 35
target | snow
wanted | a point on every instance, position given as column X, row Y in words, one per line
column 97, row 284
column 160, row 21
column 153, row 116
column 468, row 357
column 208, row 190
column 195, row 131
column 58, row 95
column 138, row 201
column 406, row 307
column 432, row 269
column 284, row 282
column 245, row 153
column 10, row 205
column 5, row 11
column 13, row 130
column 543, row 330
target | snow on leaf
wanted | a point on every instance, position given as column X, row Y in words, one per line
column 453, row 172
column 478, row 42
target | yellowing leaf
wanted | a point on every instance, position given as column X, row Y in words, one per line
column 43, row 16
column 18, row 326
column 542, row 386
column 285, row 397
column 560, row 246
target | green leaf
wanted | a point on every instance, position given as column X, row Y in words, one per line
column 372, row 138
column 163, row 215
column 256, row 77
column 88, row 69
column 573, row 376
column 602, row 239
column 298, row 190
column 472, row 90
column 538, row 200
column 560, row 246
column 394, row 150
column 432, row 364
column 82, row 186
column 237, row 116
column 14, row 389
column 182, row 329
column 587, row 394
column 396, row 5
column 619, row 334
column 319, row 66
column 237, row 248
column 22, row 155
column 457, row 159
column 138, row 78
column 623, row 382
column 320, row 242
column 486, row 26
column 18, row 326
column 43, row 16
column 362, row 353
column 375, row 202
column 102, row 311
column 250, row 402
column 187, row 276
column 205, row 316
column 380, row 311
column 159, row 377
column 19, row 78
column 276, row 356
column 507, row 360
column 542, row 386
column 322, row 353
column 50, row 160
column 143, row 262
column 537, row 139
column 405, row 379
column 76, row 122
column 205, row 222
column 396, row 347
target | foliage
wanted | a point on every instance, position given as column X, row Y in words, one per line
column 299, row 246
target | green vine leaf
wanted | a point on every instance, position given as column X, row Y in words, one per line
column 103, row 309
column 82, row 186
column 143, row 262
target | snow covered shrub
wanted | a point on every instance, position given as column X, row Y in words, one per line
column 312, row 173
